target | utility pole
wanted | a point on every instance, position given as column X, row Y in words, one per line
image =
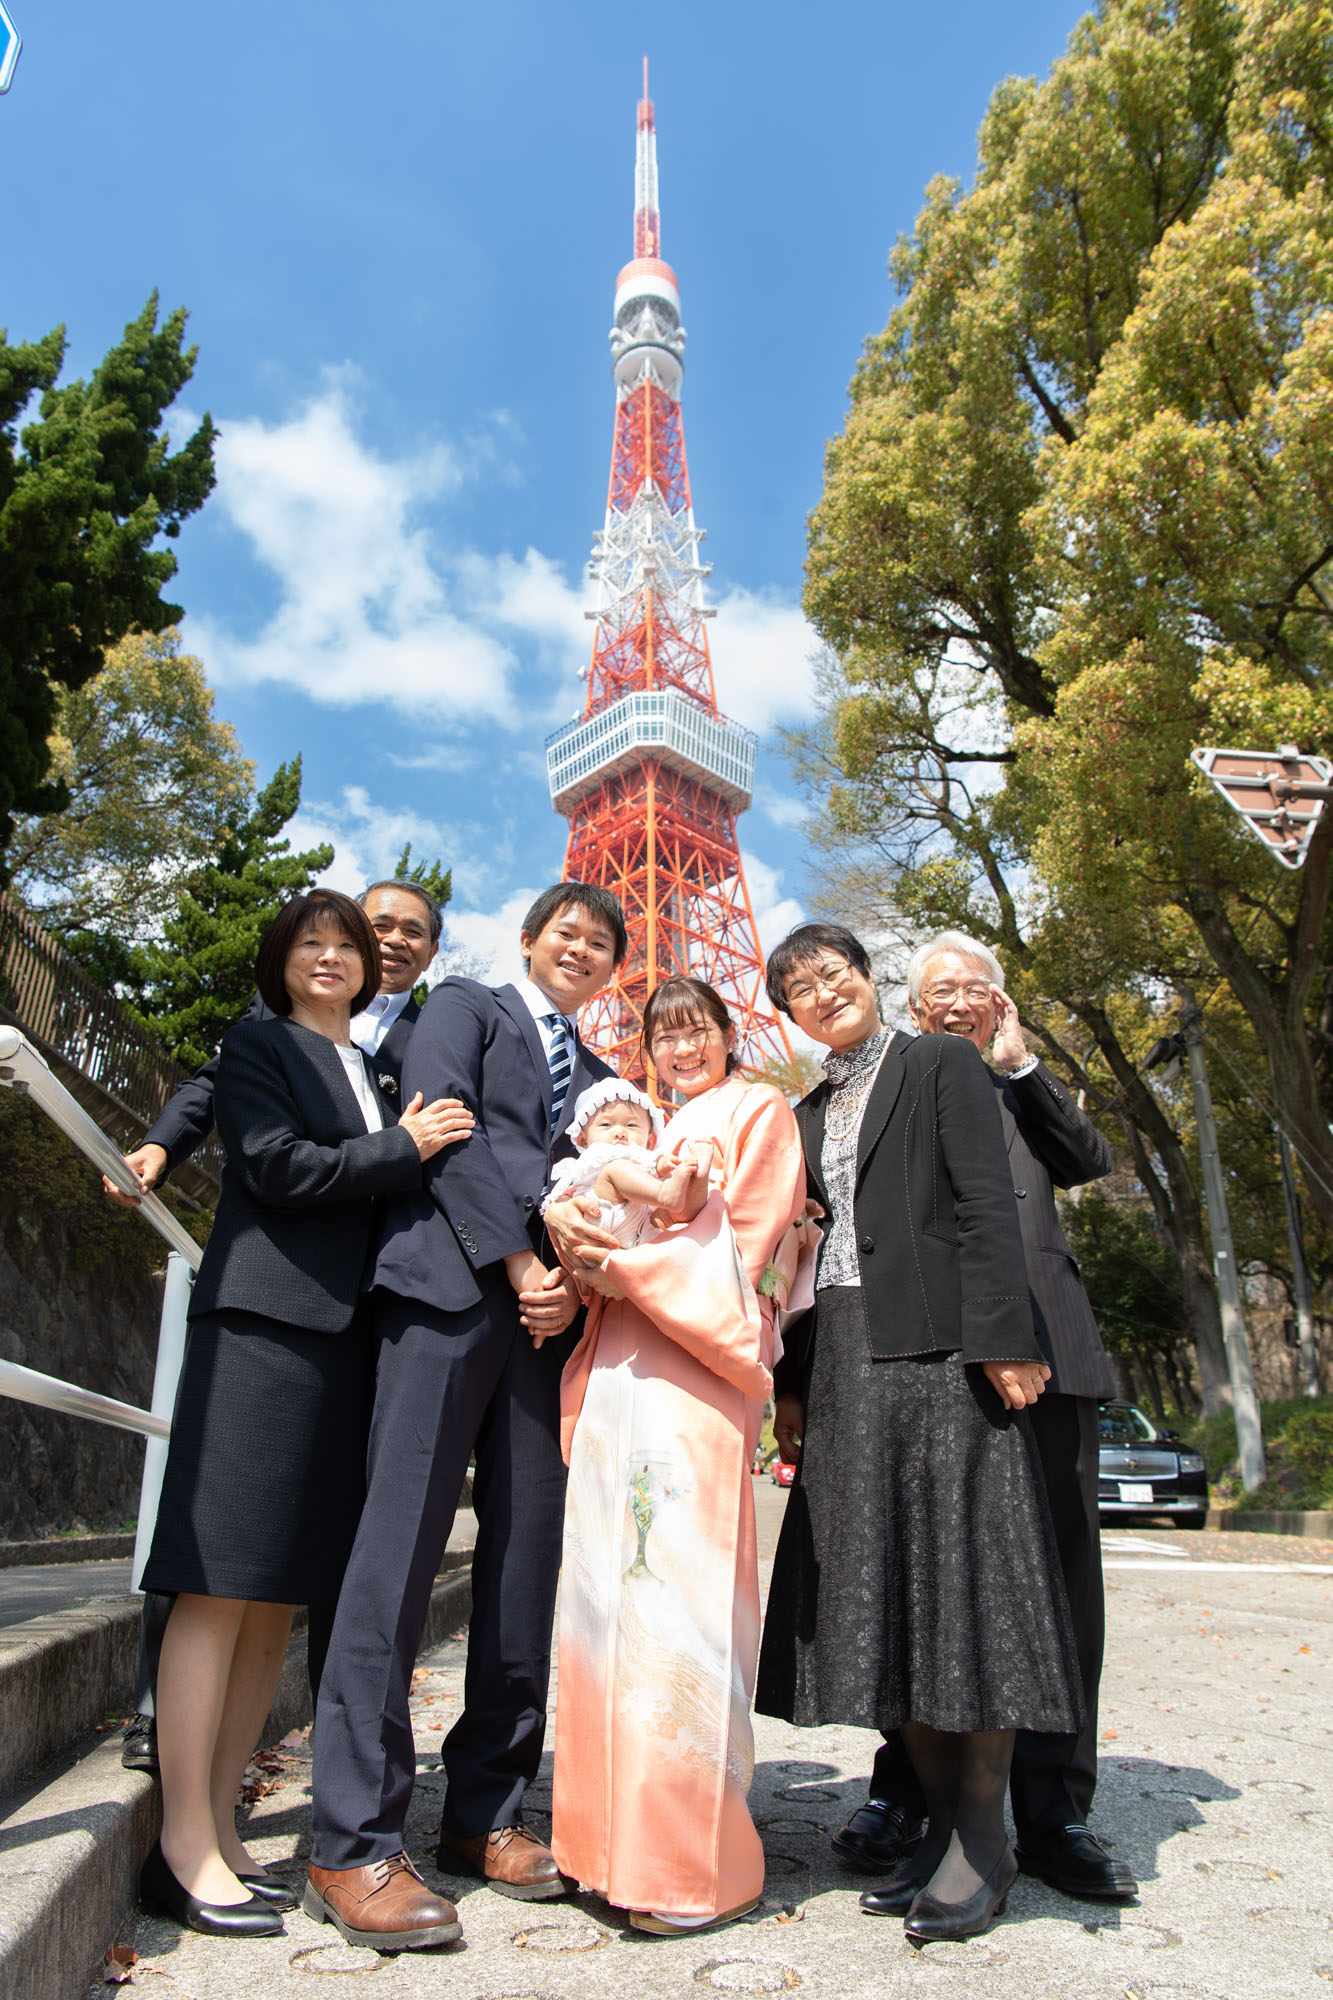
column 1249, row 1430
column 1300, row 1270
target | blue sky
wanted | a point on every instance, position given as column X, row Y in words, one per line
column 397, row 232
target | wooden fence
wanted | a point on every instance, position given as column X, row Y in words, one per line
column 82, row 1028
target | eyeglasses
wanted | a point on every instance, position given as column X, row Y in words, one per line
column 680, row 1038
column 821, row 978
column 976, row 992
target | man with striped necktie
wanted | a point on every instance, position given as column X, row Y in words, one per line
column 469, row 1315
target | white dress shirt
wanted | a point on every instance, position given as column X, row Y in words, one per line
column 366, row 1094
column 539, row 1006
column 373, row 1023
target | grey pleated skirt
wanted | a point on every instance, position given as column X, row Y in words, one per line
column 916, row 1576
column 265, row 1474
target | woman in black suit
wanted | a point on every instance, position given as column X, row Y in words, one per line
column 916, row 1585
column 265, row 1471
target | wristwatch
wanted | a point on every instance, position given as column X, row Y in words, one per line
column 1024, row 1068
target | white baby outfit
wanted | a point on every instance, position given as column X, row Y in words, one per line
column 627, row 1221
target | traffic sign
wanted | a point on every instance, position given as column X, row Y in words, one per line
column 10, row 44
column 1279, row 793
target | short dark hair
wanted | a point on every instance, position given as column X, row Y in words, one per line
column 676, row 1003
column 583, row 896
column 801, row 947
column 326, row 909
column 434, row 914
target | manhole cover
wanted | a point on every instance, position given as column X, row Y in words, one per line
column 746, row 1975
column 802, row 1794
column 562, row 1937
column 1143, row 1937
column 337, row 1961
column 810, row 1771
column 803, row 1829
column 784, row 1864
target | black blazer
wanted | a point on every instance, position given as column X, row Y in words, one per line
column 186, row 1120
column 936, row 1222
column 297, row 1211
column 1051, row 1141
column 480, row 1199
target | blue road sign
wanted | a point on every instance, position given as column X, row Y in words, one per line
column 10, row 44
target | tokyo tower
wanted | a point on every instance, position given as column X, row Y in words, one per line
column 652, row 775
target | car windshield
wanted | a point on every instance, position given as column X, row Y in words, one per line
column 1121, row 1423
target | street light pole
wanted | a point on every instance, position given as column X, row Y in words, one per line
column 1249, row 1430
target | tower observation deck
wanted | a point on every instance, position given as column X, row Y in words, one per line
column 651, row 776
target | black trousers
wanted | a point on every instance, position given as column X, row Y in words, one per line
column 1053, row 1777
column 446, row 1384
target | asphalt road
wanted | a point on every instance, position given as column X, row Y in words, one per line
column 1215, row 1784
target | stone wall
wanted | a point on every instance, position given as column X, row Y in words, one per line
column 80, row 1296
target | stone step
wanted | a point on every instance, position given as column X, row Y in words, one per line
column 74, row 1836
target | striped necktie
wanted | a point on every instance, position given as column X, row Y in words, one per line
column 560, row 1056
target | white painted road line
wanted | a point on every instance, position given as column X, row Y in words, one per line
column 1252, row 1569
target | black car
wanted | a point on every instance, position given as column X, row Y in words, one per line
column 1146, row 1470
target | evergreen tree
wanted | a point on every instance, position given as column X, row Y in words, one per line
column 200, row 978
column 84, row 495
column 428, row 875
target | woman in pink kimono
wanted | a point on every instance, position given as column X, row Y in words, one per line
column 662, row 1404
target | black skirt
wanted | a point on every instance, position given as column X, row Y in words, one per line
column 265, row 1473
column 916, row 1576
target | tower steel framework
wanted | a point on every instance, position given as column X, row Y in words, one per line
column 651, row 776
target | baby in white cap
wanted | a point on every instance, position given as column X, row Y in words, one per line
column 615, row 1127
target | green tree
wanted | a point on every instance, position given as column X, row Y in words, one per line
column 428, row 875
column 86, row 491
column 153, row 782
column 192, row 985
column 1134, row 1286
column 928, row 574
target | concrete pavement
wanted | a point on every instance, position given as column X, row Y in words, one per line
column 1215, row 1784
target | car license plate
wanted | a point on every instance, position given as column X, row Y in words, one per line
column 1135, row 1496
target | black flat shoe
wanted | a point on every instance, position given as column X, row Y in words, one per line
column 877, row 1835
column 273, row 1890
column 895, row 1897
column 159, row 1890
column 929, row 1921
column 1075, row 1862
column 138, row 1749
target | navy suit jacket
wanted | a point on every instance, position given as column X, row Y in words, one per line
column 480, row 1199
column 297, row 1210
column 186, row 1120
column 1050, row 1141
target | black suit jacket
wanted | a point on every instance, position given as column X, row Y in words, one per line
column 186, row 1120
column 480, row 1198
column 938, row 1242
column 297, row 1211
column 1050, row 1141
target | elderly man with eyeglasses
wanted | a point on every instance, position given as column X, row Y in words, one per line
column 955, row 986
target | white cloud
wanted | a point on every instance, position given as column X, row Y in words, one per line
column 489, row 938
column 762, row 652
column 367, row 838
column 370, row 607
column 364, row 611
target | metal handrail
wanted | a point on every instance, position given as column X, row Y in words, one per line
column 25, row 1069
column 48, row 1392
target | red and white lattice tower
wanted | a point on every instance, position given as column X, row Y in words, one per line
column 652, row 776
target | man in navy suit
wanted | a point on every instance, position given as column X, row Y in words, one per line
column 467, row 1310
column 407, row 922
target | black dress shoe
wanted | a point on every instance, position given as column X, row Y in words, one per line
column 929, row 1921
column 272, row 1888
column 895, row 1897
column 138, row 1749
column 876, row 1835
column 159, row 1889
column 1075, row 1862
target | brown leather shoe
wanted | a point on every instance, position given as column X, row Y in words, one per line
column 385, row 1905
column 510, row 1859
